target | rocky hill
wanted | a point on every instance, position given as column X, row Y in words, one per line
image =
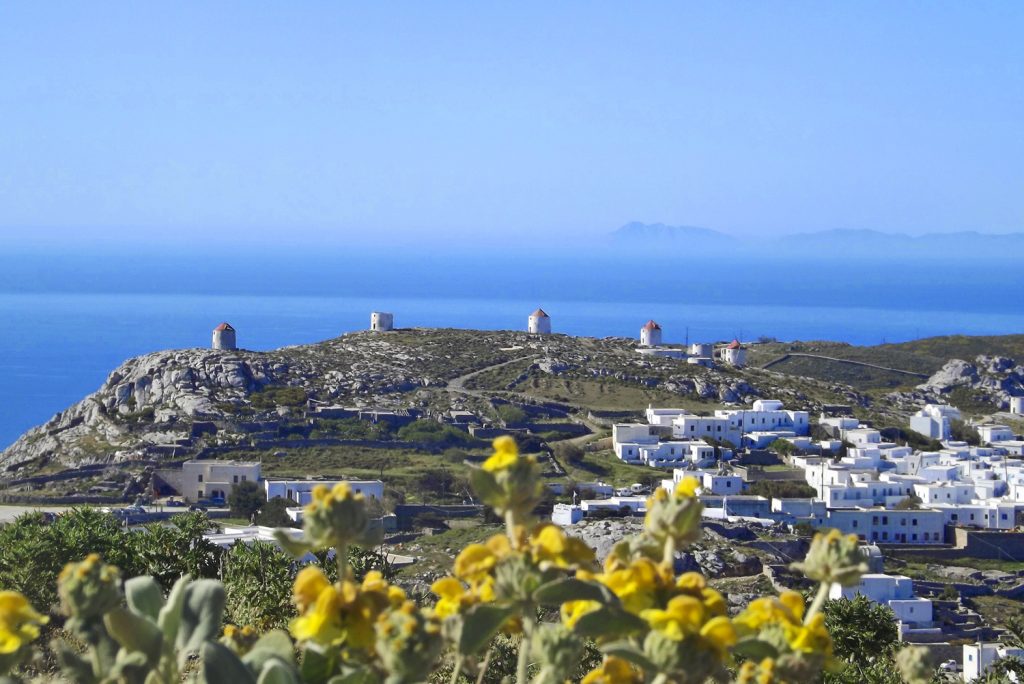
column 179, row 402
column 182, row 403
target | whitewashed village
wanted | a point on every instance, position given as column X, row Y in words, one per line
column 956, row 498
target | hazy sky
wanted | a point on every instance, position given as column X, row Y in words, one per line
column 156, row 122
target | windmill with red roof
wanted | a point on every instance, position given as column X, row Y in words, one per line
column 539, row 323
column 224, row 337
column 650, row 334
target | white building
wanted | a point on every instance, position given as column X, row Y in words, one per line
column 882, row 526
column 224, row 337
column 734, row 354
column 382, row 322
column 539, row 323
column 703, row 350
column 650, row 334
column 717, row 482
column 894, row 591
column 301, row 491
column 979, row 656
column 1017, row 405
column 664, row 416
column 990, row 515
column 691, row 426
column 935, row 421
column 993, row 434
column 944, row 492
column 209, row 479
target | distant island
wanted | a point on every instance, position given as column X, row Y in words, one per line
column 851, row 242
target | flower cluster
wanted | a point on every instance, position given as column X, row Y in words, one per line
column 782, row 624
column 239, row 639
column 19, row 625
column 343, row 613
column 532, row 584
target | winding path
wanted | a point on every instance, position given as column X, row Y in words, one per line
column 784, row 357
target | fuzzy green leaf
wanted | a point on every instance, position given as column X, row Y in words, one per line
column 144, row 596
column 200, row 616
column 135, row 633
column 628, row 651
column 571, row 589
column 276, row 672
column 480, row 624
column 221, row 665
column 273, row 644
column 753, row 648
column 169, row 621
column 608, row 621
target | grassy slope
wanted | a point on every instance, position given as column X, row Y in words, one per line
column 920, row 356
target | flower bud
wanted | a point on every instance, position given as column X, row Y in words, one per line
column 675, row 516
column 834, row 557
column 337, row 517
column 408, row 643
column 89, row 589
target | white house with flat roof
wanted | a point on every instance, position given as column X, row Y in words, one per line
column 895, row 591
column 211, row 478
column 993, row 434
column 884, row 526
column 301, row 491
column 979, row 657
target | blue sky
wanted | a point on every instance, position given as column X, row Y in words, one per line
column 321, row 123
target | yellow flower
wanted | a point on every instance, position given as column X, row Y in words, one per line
column 322, row 622
column 506, row 453
column 757, row 673
column 786, row 613
column 636, row 584
column 549, row 545
column 19, row 622
column 474, row 562
column 687, row 487
column 309, row 583
column 811, row 638
column 613, row 671
column 452, row 596
column 239, row 640
column 572, row 611
column 682, row 617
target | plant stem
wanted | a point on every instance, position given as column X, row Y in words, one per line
column 510, row 526
column 341, row 558
column 523, row 662
column 457, row 670
column 483, row 666
column 819, row 601
column 669, row 555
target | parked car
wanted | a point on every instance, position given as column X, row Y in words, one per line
column 174, row 503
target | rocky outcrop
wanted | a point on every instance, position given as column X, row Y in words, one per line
column 993, row 378
column 164, row 388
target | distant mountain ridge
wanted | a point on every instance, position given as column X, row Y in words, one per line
column 847, row 241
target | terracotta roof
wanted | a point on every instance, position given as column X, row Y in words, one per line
column 651, row 325
column 224, row 326
column 539, row 313
column 735, row 344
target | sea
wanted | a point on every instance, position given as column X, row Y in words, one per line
column 56, row 347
